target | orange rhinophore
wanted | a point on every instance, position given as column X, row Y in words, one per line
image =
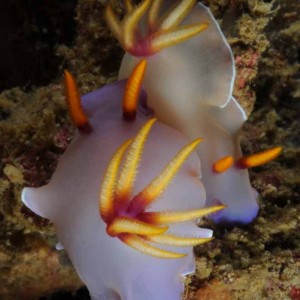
column 259, row 159
column 223, row 164
column 132, row 90
column 74, row 103
column 124, row 213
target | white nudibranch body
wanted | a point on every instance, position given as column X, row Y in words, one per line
column 116, row 265
column 189, row 87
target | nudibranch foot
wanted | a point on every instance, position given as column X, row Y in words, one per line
column 160, row 31
column 125, row 214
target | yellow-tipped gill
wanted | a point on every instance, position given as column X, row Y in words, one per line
column 125, row 215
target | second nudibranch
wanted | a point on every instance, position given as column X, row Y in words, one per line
column 189, row 84
column 125, row 196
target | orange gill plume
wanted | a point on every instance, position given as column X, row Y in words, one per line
column 125, row 213
column 160, row 32
column 74, row 103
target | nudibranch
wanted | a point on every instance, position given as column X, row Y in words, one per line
column 127, row 229
column 189, row 84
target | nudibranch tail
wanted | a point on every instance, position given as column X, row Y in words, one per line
column 161, row 182
column 74, row 103
column 132, row 90
column 259, row 159
column 125, row 214
column 159, row 33
column 125, row 183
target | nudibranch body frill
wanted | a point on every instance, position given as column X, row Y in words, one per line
column 110, row 268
